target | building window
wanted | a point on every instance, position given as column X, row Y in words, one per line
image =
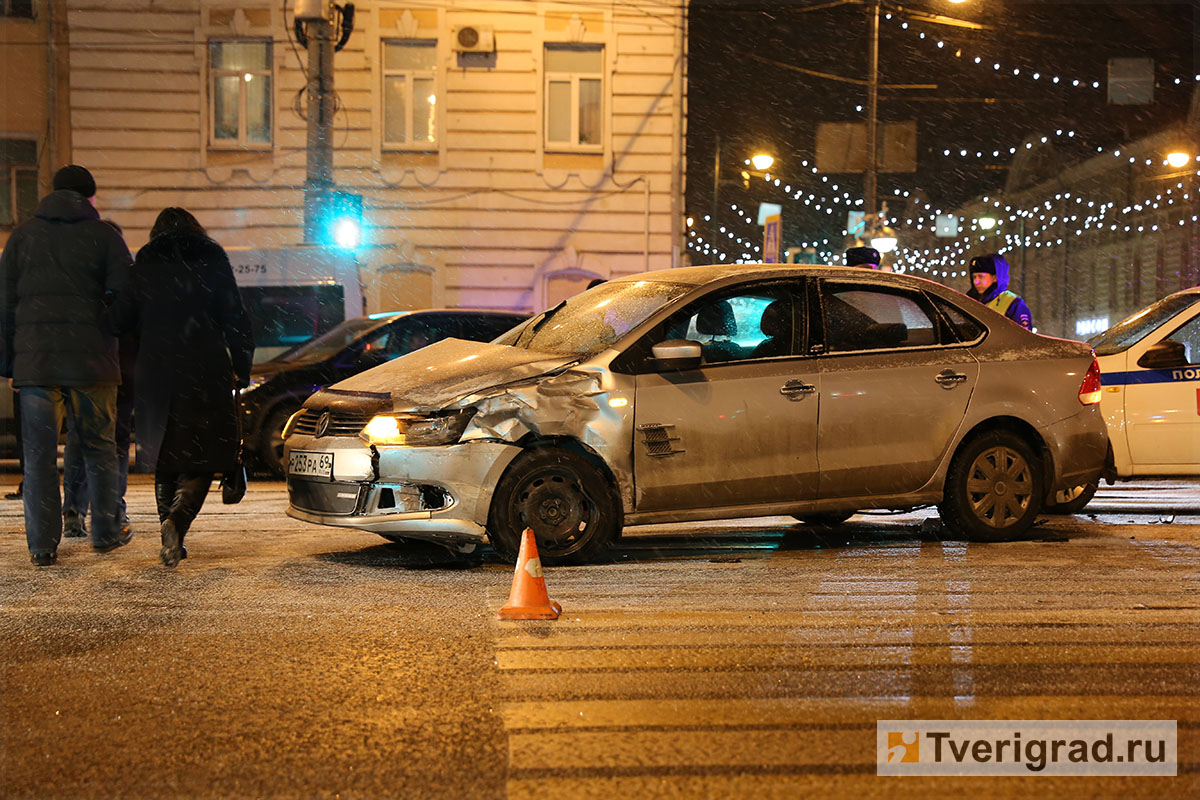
column 240, row 94
column 17, row 8
column 409, row 92
column 18, row 180
column 574, row 96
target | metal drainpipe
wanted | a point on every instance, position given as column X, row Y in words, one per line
column 677, row 233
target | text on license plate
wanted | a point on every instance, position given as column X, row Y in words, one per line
column 316, row 465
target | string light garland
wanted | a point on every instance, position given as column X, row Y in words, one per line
column 1016, row 72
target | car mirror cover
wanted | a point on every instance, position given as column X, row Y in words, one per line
column 1164, row 355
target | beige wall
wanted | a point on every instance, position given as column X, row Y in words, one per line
column 33, row 87
column 488, row 218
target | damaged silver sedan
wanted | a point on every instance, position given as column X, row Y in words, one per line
column 706, row 393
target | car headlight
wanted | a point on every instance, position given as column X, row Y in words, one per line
column 417, row 430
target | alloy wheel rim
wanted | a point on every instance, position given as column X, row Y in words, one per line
column 999, row 486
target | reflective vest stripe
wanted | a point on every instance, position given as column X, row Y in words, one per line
column 1002, row 302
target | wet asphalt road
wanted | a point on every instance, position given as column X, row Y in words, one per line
column 742, row 658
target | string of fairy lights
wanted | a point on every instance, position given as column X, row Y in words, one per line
column 940, row 261
column 1083, row 216
column 996, row 67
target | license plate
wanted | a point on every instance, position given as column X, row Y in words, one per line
column 312, row 465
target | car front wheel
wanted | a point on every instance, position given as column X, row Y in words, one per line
column 993, row 489
column 573, row 509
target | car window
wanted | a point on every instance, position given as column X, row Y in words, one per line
column 858, row 317
column 962, row 327
column 743, row 324
column 1127, row 333
column 1188, row 335
column 739, row 327
column 412, row 333
column 484, row 327
column 330, row 343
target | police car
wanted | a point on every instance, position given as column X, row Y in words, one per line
column 1150, row 394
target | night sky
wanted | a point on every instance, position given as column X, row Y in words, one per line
column 741, row 87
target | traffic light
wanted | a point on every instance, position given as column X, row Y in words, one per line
column 341, row 220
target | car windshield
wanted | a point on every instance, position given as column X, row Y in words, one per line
column 332, row 342
column 589, row 322
column 1126, row 334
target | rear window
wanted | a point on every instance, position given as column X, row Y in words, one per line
column 962, row 327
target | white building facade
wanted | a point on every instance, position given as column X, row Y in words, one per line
column 502, row 168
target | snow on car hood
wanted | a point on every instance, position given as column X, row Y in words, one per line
column 436, row 376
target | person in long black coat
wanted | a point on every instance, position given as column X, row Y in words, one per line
column 195, row 347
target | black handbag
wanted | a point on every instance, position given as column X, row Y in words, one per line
column 233, row 483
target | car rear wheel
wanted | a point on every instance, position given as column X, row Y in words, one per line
column 993, row 489
column 1073, row 501
column 573, row 509
column 270, row 441
column 826, row 519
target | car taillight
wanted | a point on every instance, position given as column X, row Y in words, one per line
column 1089, row 390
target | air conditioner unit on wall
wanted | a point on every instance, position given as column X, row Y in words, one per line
column 474, row 39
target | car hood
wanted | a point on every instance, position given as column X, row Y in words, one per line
column 436, row 376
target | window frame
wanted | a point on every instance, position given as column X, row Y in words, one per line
column 573, row 79
column 433, row 74
column 214, row 74
column 6, row 11
column 13, row 168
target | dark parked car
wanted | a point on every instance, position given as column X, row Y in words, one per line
column 278, row 387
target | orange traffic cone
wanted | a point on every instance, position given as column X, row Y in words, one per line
column 528, row 598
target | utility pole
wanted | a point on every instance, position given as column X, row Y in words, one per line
column 869, row 179
column 319, row 177
column 314, row 29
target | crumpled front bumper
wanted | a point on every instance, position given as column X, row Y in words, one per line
column 440, row 494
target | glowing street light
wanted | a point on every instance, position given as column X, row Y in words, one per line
column 1178, row 159
column 986, row 223
column 762, row 161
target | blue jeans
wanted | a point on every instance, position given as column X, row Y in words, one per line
column 92, row 412
column 75, row 487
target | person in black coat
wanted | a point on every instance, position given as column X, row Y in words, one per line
column 56, row 272
column 195, row 347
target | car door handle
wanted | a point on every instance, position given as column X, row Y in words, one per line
column 795, row 390
column 949, row 378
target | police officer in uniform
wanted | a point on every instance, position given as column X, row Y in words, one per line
column 989, row 285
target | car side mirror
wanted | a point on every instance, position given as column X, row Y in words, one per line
column 1164, row 355
column 677, row 354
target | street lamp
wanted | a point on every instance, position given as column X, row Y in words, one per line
column 762, row 161
column 1178, row 159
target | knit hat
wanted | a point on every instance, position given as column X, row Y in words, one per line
column 860, row 256
column 984, row 264
column 75, row 178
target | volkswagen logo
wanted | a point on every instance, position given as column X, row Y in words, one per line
column 322, row 424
